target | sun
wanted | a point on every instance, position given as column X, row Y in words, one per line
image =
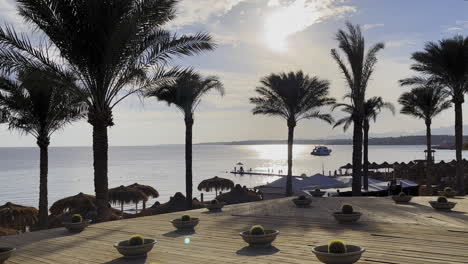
column 276, row 33
column 286, row 21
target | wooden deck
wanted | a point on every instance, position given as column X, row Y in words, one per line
column 391, row 233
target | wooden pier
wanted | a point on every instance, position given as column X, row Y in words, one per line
column 258, row 173
column 406, row 234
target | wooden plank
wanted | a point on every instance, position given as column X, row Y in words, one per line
column 411, row 236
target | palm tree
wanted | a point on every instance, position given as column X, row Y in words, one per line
column 357, row 72
column 38, row 105
column 446, row 64
column 114, row 47
column 372, row 108
column 186, row 93
column 293, row 96
column 425, row 102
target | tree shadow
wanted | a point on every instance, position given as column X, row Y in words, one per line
column 123, row 260
column 255, row 251
column 179, row 233
column 213, row 212
column 460, row 215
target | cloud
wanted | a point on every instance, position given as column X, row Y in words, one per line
column 291, row 17
column 371, row 26
column 459, row 25
column 8, row 12
column 200, row 11
column 454, row 28
column 399, row 43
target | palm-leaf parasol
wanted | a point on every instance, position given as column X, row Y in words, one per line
column 18, row 216
column 125, row 195
column 146, row 189
column 216, row 183
column 347, row 166
column 385, row 165
column 373, row 166
column 79, row 202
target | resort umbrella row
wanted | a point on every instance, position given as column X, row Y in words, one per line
column 121, row 195
column 372, row 166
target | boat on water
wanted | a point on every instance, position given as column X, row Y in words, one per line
column 321, row 151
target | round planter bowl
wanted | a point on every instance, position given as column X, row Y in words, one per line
column 5, row 253
column 185, row 225
column 302, row 203
column 442, row 206
column 260, row 240
column 76, row 227
column 347, row 218
column 135, row 251
column 317, row 193
column 215, row 207
column 353, row 254
column 402, row 199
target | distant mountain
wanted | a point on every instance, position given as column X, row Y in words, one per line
column 403, row 140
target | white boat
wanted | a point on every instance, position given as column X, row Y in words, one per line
column 321, row 151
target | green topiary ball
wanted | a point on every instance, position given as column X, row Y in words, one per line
column 337, row 247
column 402, row 194
column 257, row 230
column 185, row 218
column 347, row 209
column 214, row 201
column 136, row 240
column 76, row 218
column 301, row 197
column 448, row 190
column 442, row 199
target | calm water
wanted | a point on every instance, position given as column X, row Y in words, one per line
column 70, row 168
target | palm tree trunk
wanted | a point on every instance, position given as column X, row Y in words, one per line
column 366, row 156
column 188, row 159
column 43, row 143
column 458, row 147
column 357, row 156
column 429, row 180
column 291, row 125
column 100, row 152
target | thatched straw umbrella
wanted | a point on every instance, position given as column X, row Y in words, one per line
column 146, row 189
column 18, row 216
column 125, row 195
column 238, row 195
column 373, row 166
column 216, row 183
column 347, row 166
column 80, row 202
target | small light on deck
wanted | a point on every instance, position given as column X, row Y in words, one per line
column 187, row 240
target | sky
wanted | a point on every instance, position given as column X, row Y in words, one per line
column 258, row 37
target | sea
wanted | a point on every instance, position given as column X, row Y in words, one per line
column 163, row 167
